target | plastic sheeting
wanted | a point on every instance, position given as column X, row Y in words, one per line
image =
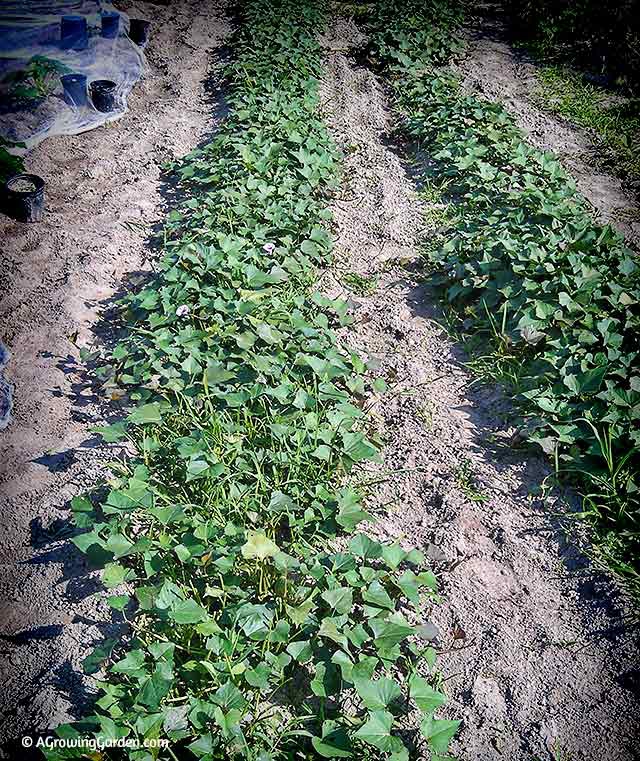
column 44, row 40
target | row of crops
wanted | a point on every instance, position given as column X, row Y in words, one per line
column 262, row 624
column 547, row 300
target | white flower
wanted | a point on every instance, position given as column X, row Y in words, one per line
column 269, row 247
column 182, row 311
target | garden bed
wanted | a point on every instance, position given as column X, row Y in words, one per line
column 320, row 534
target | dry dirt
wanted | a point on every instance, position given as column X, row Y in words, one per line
column 539, row 656
column 104, row 193
column 491, row 67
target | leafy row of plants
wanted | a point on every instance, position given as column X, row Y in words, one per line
column 528, row 272
column 261, row 626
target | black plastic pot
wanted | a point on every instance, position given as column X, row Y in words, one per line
column 103, row 95
column 110, row 24
column 139, row 31
column 75, row 89
column 74, row 34
column 24, row 197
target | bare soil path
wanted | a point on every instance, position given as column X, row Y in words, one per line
column 104, row 193
column 539, row 654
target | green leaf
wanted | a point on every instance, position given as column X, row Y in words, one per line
column 377, row 732
column 111, row 433
column 363, row 547
column 157, row 686
column 187, row 612
column 330, row 630
column 217, row 373
column 147, row 413
column 350, row 512
column 357, row 448
column 340, row 599
column 438, row 733
column 425, row 697
column 97, row 658
column 300, row 651
column 390, row 632
column 379, row 694
column 203, row 746
column 191, row 366
column 326, row 681
column 323, row 452
column 377, row 595
column 118, row 602
column 300, row 614
column 409, row 585
column 259, row 676
column 132, row 664
column 229, row 697
column 393, row 555
column 334, row 742
column 115, row 574
column 245, row 340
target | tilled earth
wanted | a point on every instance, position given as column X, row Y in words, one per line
column 538, row 653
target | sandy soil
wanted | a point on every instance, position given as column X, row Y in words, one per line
column 104, row 194
column 537, row 651
column 492, row 67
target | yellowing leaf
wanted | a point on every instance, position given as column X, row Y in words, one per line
column 258, row 545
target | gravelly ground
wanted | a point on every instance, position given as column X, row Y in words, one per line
column 538, row 653
column 104, row 193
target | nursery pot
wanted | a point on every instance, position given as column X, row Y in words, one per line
column 139, row 31
column 75, row 89
column 103, row 95
column 24, row 194
column 110, row 24
column 74, row 34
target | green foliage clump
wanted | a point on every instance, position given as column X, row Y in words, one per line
column 529, row 272
column 36, row 80
column 261, row 626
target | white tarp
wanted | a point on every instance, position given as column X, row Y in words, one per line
column 34, row 55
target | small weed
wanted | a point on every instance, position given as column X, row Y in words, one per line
column 363, row 285
column 559, row 754
column 466, row 482
column 9, row 163
column 36, row 80
column 425, row 414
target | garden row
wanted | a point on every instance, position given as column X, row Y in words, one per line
column 527, row 272
column 261, row 624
